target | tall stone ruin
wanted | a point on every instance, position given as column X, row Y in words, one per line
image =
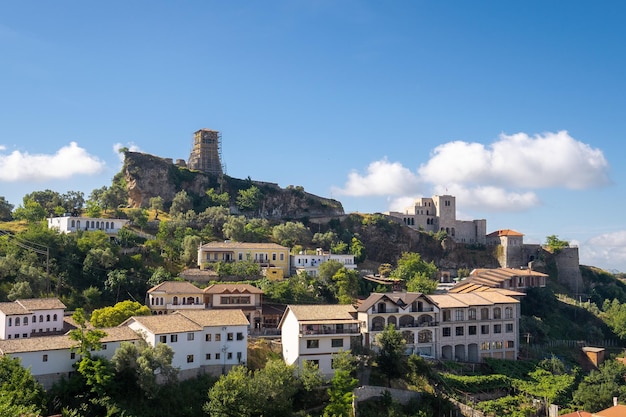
column 206, row 153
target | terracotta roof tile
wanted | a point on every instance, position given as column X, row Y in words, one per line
column 208, row 318
column 176, row 287
column 323, row 312
column 170, row 323
column 232, row 288
column 240, row 245
column 42, row 304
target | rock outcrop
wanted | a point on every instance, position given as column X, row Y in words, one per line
column 149, row 176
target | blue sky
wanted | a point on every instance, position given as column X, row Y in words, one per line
column 516, row 108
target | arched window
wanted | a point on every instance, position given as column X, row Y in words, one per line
column 484, row 314
column 17, row 321
column 97, row 225
column 175, row 300
column 471, row 314
column 197, row 300
column 497, row 313
column 424, row 336
column 41, row 318
column 25, row 321
column 73, row 223
column 78, row 224
column 508, row 312
column 47, row 317
column 10, row 321
column 54, row 317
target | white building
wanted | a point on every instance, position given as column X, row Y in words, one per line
column 414, row 314
column 311, row 263
column 439, row 214
column 170, row 296
column 317, row 332
column 36, row 316
column 72, row 224
column 203, row 341
column 51, row 358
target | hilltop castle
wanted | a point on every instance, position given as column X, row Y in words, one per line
column 439, row 214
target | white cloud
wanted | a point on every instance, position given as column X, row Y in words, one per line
column 502, row 176
column 607, row 249
column 130, row 145
column 66, row 162
column 382, row 178
column 519, row 161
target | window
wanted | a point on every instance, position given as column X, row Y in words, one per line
column 207, row 337
column 497, row 328
column 229, row 355
column 447, row 315
column 17, row 335
column 217, row 356
column 459, row 316
column 103, row 346
column 208, row 356
column 10, row 322
column 509, row 328
column 508, row 313
column 190, row 336
column 218, row 337
column 336, row 343
column 239, row 356
column 424, row 336
column 163, row 339
column 239, row 336
column 459, row 330
column 41, row 318
column 55, row 317
column 24, row 335
column 445, row 332
column 240, row 256
column 496, row 345
column 45, row 358
column 73, row 355
column 484, row 329
column 189, row 358
column 471, row 314
column 312, row 344
column 229, row 337
column 471, row 330
column 173, row 338
column 17, row 321
column 25, row 321
column 484, row 346
column 273, row 256
column 497, row 313
column 282, row 256
column 484, row 314
column 510, row 344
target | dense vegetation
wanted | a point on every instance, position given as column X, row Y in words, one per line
column 102, row 279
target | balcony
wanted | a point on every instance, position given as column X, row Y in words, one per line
column 185, row 306
column 315, row 330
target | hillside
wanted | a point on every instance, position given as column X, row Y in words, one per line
column 148, row 176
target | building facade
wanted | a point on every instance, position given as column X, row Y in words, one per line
column 31, row 317
column 271, row 257
column 317, row 332
column 310, row 263
column 206, row 153
column 439, row 214
column 72, row 224
column 170, row 296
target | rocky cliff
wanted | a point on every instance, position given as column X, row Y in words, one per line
column 149, row 176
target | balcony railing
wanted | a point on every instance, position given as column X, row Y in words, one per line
column 330, row 330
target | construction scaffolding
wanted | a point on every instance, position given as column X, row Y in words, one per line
column 206, row 153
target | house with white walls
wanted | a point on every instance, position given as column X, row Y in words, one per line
column 203, row 341
column 51, row 358
column 31, row 317
column 170, row 296
column 411, row 313
column 310, row 263
column 316, row 332
column 73, row 224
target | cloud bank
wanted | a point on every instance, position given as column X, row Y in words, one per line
column 68, row 161
column 501, row 176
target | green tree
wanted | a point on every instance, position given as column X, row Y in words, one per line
column 190, row 249
column 235, row 228
column 139, row 217
column 347, row 284
column 117, row 314
column 159, row 275
column 115, row 279
column 596, row 391
column 328, row 269
column 249, row 199
column 390, row 353
column 31, row 211
column 291, row 233
column 20, row 291
column 218, row 199
column 88, row 339
column 20, row 393
column 418, row 274
column 340, row 394
column 555, row 245
column 156, row 204
column 357, row 248
column 385, row 269
column 181, row 203
column 93, row 209
column 230, row 396
column 325, row 240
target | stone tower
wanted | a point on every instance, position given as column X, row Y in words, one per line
column 206, row 154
